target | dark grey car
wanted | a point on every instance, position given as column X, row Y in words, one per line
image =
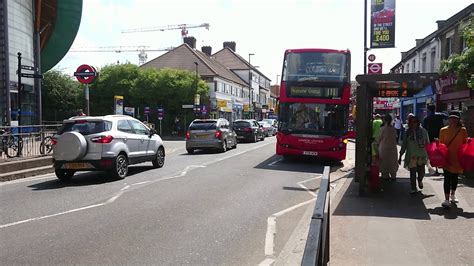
column 210, row 134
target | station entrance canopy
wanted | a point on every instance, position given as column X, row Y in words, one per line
column 381, row 85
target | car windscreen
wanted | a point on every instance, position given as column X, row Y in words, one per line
column 203, row 125
column 241, row 124
column 86, row 127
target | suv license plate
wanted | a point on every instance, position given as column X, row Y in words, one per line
column 77, row 166
column 312, row 153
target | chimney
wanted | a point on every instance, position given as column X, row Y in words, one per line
column 207, row 50
column 191, row 41
column 441, row 24
column 418, row 42
column 230, row 45
column 404, row 54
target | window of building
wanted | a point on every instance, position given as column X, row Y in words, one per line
column 432, row 60
column 407, row 68
column 423, row 63
column 413, row 66
column 463, row 43
column 449, row 47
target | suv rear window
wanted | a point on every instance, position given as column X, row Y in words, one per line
column 241, row 124
column 203, row 125
column 86, row 127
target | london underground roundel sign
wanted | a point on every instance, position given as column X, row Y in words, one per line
column 86, row 74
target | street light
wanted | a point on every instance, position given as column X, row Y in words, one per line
column 196, row 96
column 250, row 85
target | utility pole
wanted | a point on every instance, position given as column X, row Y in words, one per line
column 250, row 86
column 19, row 90
column 365, row 37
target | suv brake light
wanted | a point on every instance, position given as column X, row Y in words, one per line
column 54, row 141
column 102, row 139
column 248, row 129
column 218, row 134
column 188, row 135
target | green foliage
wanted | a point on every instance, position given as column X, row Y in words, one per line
column 463, row 64
column 141, row 87
column 61, row 96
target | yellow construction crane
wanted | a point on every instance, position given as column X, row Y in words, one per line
column 183, row 27
column 142, row 56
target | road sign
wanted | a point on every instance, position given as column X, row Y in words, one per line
column 33, row 76
column 375, row 68
column 146, row 110
column 371, row 57
column 27, row 67
column 85, row 74
column 161, row 113
column 187, row 106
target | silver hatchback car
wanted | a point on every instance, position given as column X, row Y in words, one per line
column 210, row 134
column 109, row 143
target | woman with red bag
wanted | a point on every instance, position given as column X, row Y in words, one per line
column 453, row 135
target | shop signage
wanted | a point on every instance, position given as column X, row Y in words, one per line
column 445, row 84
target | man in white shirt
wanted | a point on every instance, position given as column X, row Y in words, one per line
column 397, row 124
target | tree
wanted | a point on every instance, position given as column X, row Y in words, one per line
column 146, row 87
column 61, row 96
column 462, row 64
column 113, row 80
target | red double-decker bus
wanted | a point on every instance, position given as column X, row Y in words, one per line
column 314, row 103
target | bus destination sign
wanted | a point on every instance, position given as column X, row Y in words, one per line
column 393, row 92
column 316, row 92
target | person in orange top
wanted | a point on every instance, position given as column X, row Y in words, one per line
column 453, row 135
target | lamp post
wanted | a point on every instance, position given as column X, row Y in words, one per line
column 196, row 96
column 250, row 86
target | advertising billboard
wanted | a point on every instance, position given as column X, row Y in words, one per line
column 382, row 24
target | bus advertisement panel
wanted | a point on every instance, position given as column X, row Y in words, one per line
column 314, row 101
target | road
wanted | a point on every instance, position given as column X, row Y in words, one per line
column 240, row 207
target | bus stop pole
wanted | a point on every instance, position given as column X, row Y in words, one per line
column 362, row 137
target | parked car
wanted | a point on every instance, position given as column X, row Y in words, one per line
column 210, row 134
column 109, row 143
column 272, row 122
column 248, row 130
column 268, row 129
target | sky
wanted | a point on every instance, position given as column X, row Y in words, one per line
column 265, row 28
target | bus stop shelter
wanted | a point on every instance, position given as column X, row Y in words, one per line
column 379, row 85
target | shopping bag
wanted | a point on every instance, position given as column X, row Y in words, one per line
column 437, row 154
column 466, row 155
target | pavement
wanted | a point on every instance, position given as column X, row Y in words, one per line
column 392, row 227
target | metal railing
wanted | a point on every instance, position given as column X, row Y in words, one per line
column 316, row 251
column 26, row 141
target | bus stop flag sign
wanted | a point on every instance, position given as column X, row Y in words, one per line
column 375, row 68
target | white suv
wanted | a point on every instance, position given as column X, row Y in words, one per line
column 109, row 143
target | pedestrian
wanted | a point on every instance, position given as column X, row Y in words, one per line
column 414, row 141
column 388, row 149
column 376, row 125
column 397, row 124
column 453, row 135
column 80, row 113
column 433, row 123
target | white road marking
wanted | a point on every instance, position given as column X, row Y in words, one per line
column 271, row 223
column 141, row 183
column 266, row 262
column 275, row 162
column 120, row 193
column 109, row 201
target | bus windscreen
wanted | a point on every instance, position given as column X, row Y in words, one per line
column 314, row 118
column 315, row 66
